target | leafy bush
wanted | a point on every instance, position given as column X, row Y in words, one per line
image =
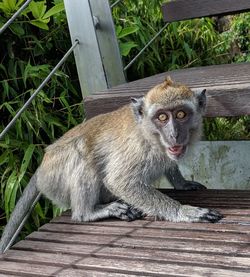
column 28, row 51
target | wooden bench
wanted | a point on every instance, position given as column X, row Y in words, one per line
column 148, row 247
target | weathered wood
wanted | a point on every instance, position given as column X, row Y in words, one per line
column 142, row 247
column 182, row 9
column 161, row 269
column 91, row 273
column 225, row 228
column 122, row 252
column 146, row 232
column 228, row 90
column 27, row 269
column 184, row 245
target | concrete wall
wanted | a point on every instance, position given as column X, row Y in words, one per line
column 217, row 165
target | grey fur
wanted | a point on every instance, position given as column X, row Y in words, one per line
column 118, row 156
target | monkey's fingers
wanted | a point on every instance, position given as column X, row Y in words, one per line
column 196, row 214
column 212, row 216
column 134, row 214
column 123, row 211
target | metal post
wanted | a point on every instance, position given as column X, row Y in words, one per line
column 97, row 56
column 108, row 45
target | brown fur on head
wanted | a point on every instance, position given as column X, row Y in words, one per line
column 167, row 92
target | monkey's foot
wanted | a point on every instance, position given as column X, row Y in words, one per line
column 124, row 211
column 195, row 214
column 192, row 185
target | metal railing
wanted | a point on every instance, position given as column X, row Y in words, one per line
column 25, row 106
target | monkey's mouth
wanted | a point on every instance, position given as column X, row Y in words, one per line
column 177, row 150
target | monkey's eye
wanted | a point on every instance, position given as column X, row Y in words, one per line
column 162, row 117
column 180, row 114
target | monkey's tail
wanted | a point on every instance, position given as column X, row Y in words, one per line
column 21, row 212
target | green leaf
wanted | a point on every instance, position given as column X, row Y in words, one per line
column 17, row 29
column 12, row 200
column 118, row 29
column 40, row 23
column 54, row 10
column 26, row 160
column 38, row 210
column 126, row 47
column 9, row 5
column 188, row 50
column 4, row 157
column 2, row 7
column 127, row 31
column 12, row 180
column 38, row 9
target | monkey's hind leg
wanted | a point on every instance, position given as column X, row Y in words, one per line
column 85, row 206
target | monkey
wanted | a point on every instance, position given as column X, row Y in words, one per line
column 105, row 166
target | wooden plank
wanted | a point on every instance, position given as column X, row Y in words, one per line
column 221, row 247
column 228, row 90
column 211, row 193
column 4, row 275
column 225, row 228
column 57, row 247
column 225, row 211
column 130, row 253
column 145, row 232
column 160, row 269
column 182, row 9
column 27, row 269
column 91, row 273
column 54, row 259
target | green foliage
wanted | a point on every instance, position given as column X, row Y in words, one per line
column 28, row 51
column 121, row 33
column 182, row 44
column 227, row 128
column 237, row 39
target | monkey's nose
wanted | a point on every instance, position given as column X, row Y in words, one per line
column 174, row 135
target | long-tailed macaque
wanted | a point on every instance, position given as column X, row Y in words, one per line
column 105, row 166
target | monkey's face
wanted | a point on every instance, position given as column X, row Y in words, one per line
column 172, row 127
column 172, row 115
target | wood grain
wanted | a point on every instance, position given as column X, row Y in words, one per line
column 142, row 247
column 228, row 90
column 118, row 252
column 182, row 9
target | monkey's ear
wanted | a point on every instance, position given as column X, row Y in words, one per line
column 202, row 100
column 137, row 106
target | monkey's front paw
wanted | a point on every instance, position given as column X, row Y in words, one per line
column 192, row 185
column 124, row 211
column 195, row 214
column 134, row 214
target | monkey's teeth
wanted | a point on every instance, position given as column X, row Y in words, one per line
column 176, row 150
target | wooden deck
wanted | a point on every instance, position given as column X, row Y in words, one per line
column 143, row 247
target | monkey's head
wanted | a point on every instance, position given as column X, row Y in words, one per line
column 171, row 113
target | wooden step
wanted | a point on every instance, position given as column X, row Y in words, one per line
column 228, row 89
